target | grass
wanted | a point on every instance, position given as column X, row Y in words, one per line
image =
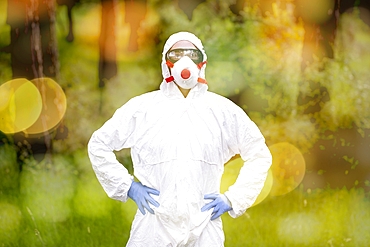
column 60, row 203
column 323, row 218
column 330, row 217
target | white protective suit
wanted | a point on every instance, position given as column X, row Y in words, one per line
column 179, row 146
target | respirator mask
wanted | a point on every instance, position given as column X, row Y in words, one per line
column 185, row 66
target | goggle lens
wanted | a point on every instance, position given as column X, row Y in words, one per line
column 176, row 54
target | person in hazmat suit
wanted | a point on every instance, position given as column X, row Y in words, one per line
column 180, row 137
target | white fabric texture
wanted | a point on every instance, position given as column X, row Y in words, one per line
column 179, row 146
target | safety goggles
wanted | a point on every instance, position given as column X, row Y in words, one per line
column 176, row 54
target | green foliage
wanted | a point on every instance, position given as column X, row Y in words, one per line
column 255, row 58
column 5, row 71
column 9, row 169
column 271, row 60
column 4, row 30
column 345, row 77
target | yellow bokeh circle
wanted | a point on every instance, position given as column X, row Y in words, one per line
column 33, row 106
column 54, row 105
column 20, row 105
column 288, row 168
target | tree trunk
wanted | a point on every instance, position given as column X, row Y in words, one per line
column 107, row 42
column 69, row 4
column 34, row 54
column 33, row 45
column 135, row 11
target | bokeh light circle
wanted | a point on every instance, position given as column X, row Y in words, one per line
column 231, row 173
column 54, row 105
column 20, row 105
column 288, row 168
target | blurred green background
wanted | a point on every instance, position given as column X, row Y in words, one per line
column 299, row 68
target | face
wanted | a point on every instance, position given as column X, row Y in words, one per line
column 184, row 48
column 184, row 57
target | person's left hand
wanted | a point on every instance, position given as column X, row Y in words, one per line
column 220, row 205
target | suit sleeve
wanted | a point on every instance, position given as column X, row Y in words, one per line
column 247, row 140
column 114, row 135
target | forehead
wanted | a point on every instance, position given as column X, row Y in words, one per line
column 183, row 44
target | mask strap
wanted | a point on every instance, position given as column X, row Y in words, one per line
column 169, row 64
column 200, row 65
column 169, row 79
column 201, row 80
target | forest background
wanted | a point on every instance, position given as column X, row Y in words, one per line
column 300, row 70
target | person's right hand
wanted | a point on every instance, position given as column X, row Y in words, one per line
column 219, row 204
column 140, row 194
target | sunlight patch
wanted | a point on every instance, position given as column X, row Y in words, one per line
column 288, row 168
column 299, row 228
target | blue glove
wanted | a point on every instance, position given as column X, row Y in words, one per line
column 140, row 194
column 220, row 205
